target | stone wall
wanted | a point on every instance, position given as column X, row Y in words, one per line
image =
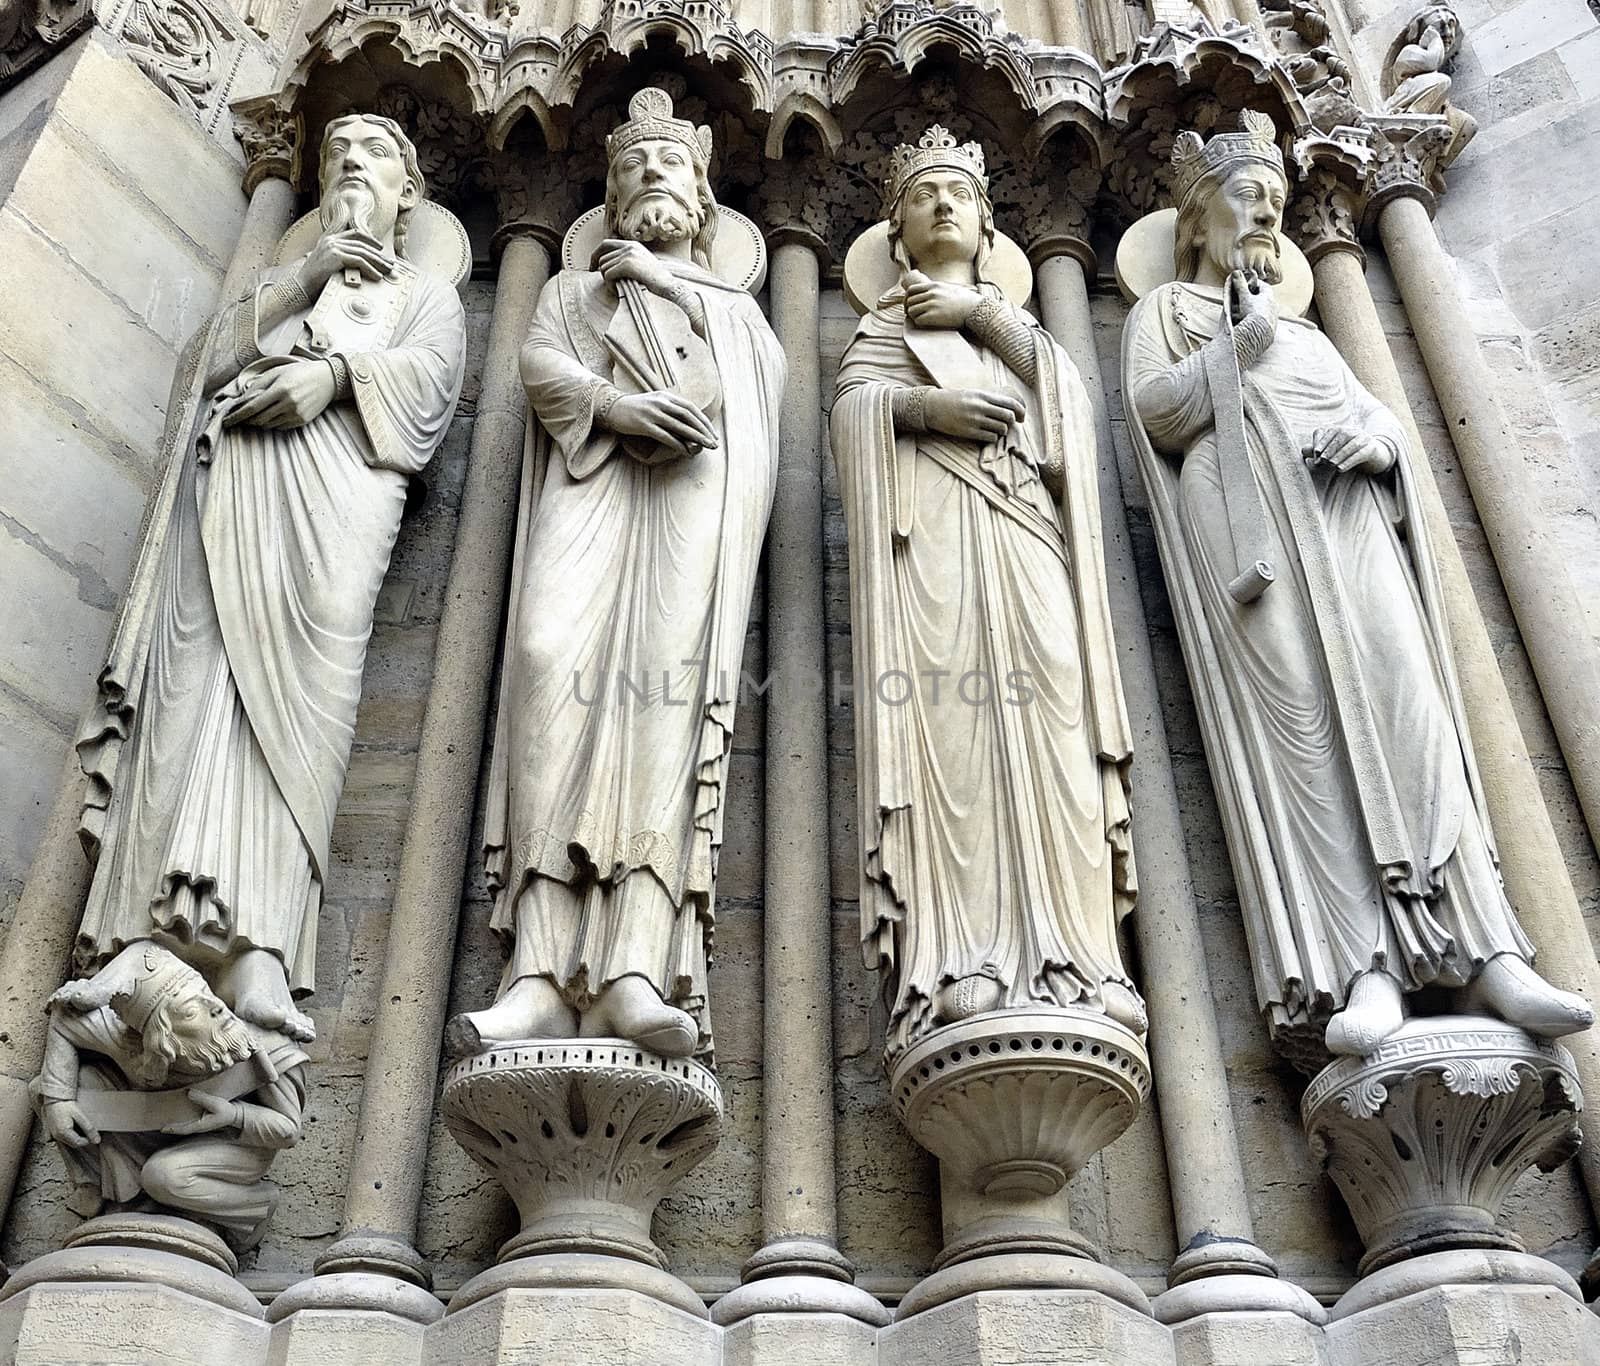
column 118, row 214
column 117, row 219
column 1521, row 217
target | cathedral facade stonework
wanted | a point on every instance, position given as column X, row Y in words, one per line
column 719, row 683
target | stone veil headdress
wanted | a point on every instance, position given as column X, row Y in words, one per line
column 1194, row 161
column 935, row 150
column 650, row 116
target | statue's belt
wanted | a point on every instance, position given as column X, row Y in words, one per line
column 136, row 1112
column 968, row 472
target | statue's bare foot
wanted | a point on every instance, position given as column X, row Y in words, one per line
column 531, row 1009
column 965, row 997
column 1374, row 1010
column 630, row 1008
column 1125, row 1007
column 261, row 995
column 1509, row 988
column 298, row 1026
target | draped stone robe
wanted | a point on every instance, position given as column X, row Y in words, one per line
column 992, row 742
column 230, row 694
column 1333, row 721
column 630, row 597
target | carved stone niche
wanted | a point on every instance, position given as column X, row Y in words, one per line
column 1426, row 1137
column 587, row 1136
column 1013, row 1104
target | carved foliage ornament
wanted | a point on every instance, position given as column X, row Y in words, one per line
column 180, row 45
column 1426, row 1137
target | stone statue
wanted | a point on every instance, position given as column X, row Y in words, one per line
column 655, row 384
column 229, row 698
column 155, row 1090
column 1416, row 81
column 992, row 740
column 1307, row 596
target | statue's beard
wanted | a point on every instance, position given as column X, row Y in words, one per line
column 227, row 1042
column 349, row 207
column 1258, row 256
column 662, row 215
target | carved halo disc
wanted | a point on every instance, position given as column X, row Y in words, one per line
column 870, row 271
column 1145, row 262
column 738, row 251
column 436, row 243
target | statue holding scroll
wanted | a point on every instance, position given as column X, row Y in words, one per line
column 992, row 740
column 155, row 1090
column 1307, row 596
column 654, row 384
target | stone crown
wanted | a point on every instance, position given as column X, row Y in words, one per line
column 1194, row 160
column 166, row 975
column 650, row 116
column 935, row 150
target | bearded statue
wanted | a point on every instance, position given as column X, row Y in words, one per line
column 228, row 702
column 155, row 1091
column 654, row 386
column 1307, row 596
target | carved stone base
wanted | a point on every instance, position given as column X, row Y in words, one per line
column 1426, row 1136
column 586, row 1135
column 1230, row 1275
column 1012, row 1104
column 163, row 1249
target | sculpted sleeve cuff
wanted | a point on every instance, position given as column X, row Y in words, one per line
column 999, row 327
column 604, row 396
column 341, row 375
column 911, row 409
column 58, row 1076
column 689, row 302
column 1251, row 338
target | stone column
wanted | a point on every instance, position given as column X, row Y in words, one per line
column 375, row 1265
column 1531, row 863
column 38, row 946
column 1532, row 565
column 799, row 1267
column 1219, row 1265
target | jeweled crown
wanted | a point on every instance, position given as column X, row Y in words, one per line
column 935, row 150
column 1194, row 160
column 650, row 116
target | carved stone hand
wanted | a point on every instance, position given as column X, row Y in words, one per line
column 289, row 396
column 973, row 414
column 618, row 259
column 1348, row 451
column 68, row 1125
column 934, row 303
column 664, row 417
column 336, row 251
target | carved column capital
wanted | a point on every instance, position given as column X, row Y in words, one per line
column 1330, row 196
column 1410, row 159
column 795, row 203
column 536, row 198
column 1052, row 209
column 272, row 139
